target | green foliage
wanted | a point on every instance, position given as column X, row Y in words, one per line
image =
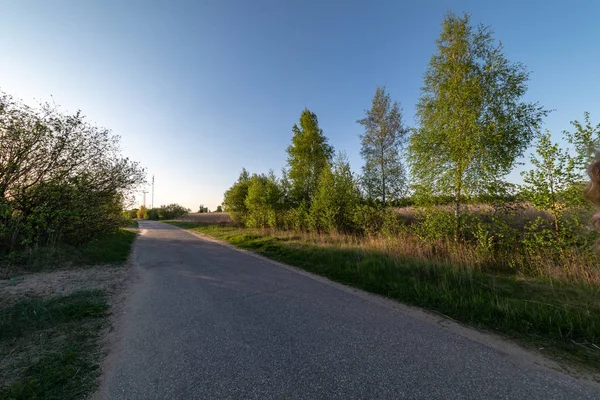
column 234, row 199
column 335, row 199
column 298, row 218
column 308, row 154
column 172, row 211
column 323, row 209
column 219, row 209
column 202, row 209
column 553, row 185
column 152, row 214
column 141, row 212
column 586, row 140
column 383, row 174
column 62, row 180
column 264, row 202
column 472, row 122
column 368, row 218
column 133, row 213
column 434, row 224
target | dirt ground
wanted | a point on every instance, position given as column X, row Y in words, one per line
column 109, row 278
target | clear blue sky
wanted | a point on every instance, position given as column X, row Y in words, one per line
column 197, row 90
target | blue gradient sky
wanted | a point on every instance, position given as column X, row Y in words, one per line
column 197, row 90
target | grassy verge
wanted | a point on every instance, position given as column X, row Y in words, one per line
column 562, row 319
column 113, row 248
column 48, row 346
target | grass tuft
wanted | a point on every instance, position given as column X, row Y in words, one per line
column 40, row 313
column 57, row 342
column 109, row 249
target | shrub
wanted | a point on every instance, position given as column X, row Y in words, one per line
column 369, row 218
column 141, row 212
column 297, row 218
column 172, row 211
column 234, row 199
column 434, row 224
column 62, row 180
column 264, row 202
column 152, row 214
column 335, row 199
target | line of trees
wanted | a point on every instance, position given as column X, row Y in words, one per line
column 62, row 179
column 164, row 212
column 472, row 127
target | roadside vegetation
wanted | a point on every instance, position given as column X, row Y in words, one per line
column 432, row 220
column 52, row 346
column 63, row 190
column 171, row 211
column 560, row 318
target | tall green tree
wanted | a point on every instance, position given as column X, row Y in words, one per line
column 552, row 184
column 472, row 122
column 586, row 140
column 336, row 198
column 234, row 199
column 383, row 174
column 308, row 154
column 264, row 201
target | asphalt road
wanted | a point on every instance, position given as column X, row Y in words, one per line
column 209, row 322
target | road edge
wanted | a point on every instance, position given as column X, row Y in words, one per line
column 489, row 339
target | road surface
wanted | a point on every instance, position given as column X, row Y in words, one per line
column 208, row 322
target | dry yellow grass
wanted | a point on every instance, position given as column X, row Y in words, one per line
column 572, row 266
column 208, row 218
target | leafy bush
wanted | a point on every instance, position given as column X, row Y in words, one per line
column 369, row 218
column 234, row 200
column 141, row 212
column 434, row 224
column 172, row 211
column 264, row 202
column 297, row 218
column 62, row 180
column 132, row 214
column 152, row 214
column 335, row 199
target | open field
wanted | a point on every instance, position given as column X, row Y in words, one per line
column 558, row 317
column 54, row 314
column 208, row 218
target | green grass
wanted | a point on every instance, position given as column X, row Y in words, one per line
column 132, row 223
column 51, row 346
column 37, row 314
column 561, row 318
column 110, row 249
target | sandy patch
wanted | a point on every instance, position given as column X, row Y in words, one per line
column 62, row 282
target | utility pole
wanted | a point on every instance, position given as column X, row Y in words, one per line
column 152, row 191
